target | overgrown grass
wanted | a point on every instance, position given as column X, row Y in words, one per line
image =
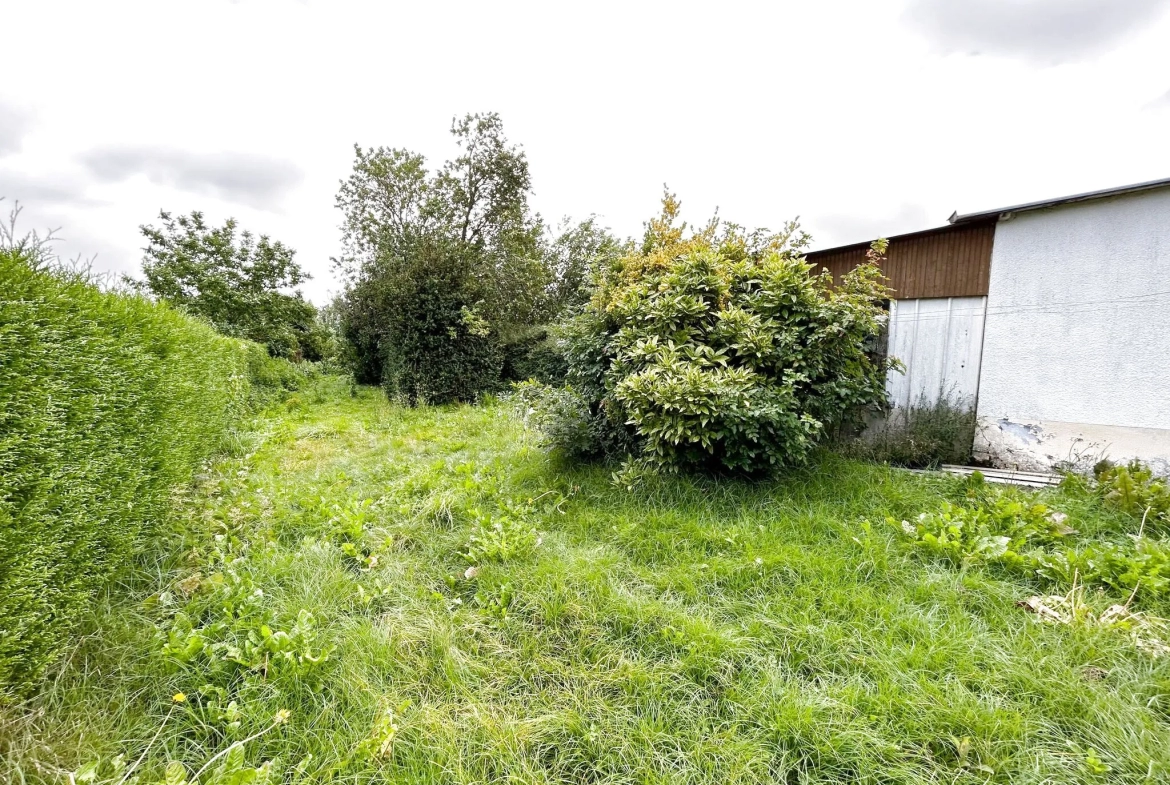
column 491, row 616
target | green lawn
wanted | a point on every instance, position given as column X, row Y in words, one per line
column 691, row 631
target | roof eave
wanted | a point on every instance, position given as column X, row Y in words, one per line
column 867, row 243
column 1085, row 197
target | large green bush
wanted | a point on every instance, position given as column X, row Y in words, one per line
column 440, row 348
column 107, row 402
column 722, row 350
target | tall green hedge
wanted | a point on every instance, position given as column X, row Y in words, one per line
column 107, row 402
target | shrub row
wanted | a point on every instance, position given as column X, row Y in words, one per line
column 108, row 401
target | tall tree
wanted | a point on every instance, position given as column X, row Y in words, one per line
column 239, row 283
column 465, row 231
column 487, row 186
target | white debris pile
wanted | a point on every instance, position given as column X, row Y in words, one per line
column 1149, row 634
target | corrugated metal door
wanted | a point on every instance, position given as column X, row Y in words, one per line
column 940, row 341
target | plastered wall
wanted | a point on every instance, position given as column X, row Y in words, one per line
column 1076, row 350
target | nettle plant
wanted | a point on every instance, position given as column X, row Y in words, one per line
column 723, row 349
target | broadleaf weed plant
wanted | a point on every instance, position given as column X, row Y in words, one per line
column 507, row 534
column 1013, row 530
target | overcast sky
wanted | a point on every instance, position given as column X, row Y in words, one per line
column 864, row 118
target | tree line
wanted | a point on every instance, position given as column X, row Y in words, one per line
column 707, row 347
column 450, row 279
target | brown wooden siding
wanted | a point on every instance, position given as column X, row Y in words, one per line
column 954, row 261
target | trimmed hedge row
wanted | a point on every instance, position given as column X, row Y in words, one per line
column 107, row 402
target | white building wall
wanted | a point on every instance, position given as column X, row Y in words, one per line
column 938, row 341
column 1076, row 354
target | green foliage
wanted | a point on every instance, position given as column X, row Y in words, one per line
column 377, row 746
column 234, row 633
column 108, row 402
column 1001, row 529
column 922, row 436
column 534, row 353
column 508, row 534
column 577, row 257
column 233, row 770
column 496, row 602
column 722, row 350
column 1139, row 566
column 1028, row 537
column 1134, row 489
column 271, row 377
column 561, row 416
column 229, row 645
column 448, row 271
column 438, row 263
column 438, row 347
column 349, row 529
column 710, row 631
column 237, row 284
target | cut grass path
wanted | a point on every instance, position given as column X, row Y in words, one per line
column 693, row 631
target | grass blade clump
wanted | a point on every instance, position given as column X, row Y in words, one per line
column 925, row 435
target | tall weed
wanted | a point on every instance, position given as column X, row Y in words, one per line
column 921, row 436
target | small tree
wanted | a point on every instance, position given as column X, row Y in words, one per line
column 239, row 284
column 720, row 349
column 577, row 256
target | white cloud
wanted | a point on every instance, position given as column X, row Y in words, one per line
column 848, row 228
column 46, row 189
column 255, row 180
column 14, row 124
column 1162, row 102
column 1051, row 31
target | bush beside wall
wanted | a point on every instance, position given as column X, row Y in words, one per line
column 107, row 402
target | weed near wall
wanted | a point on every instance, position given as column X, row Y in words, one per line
column 925, row 435
column 108, row 401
